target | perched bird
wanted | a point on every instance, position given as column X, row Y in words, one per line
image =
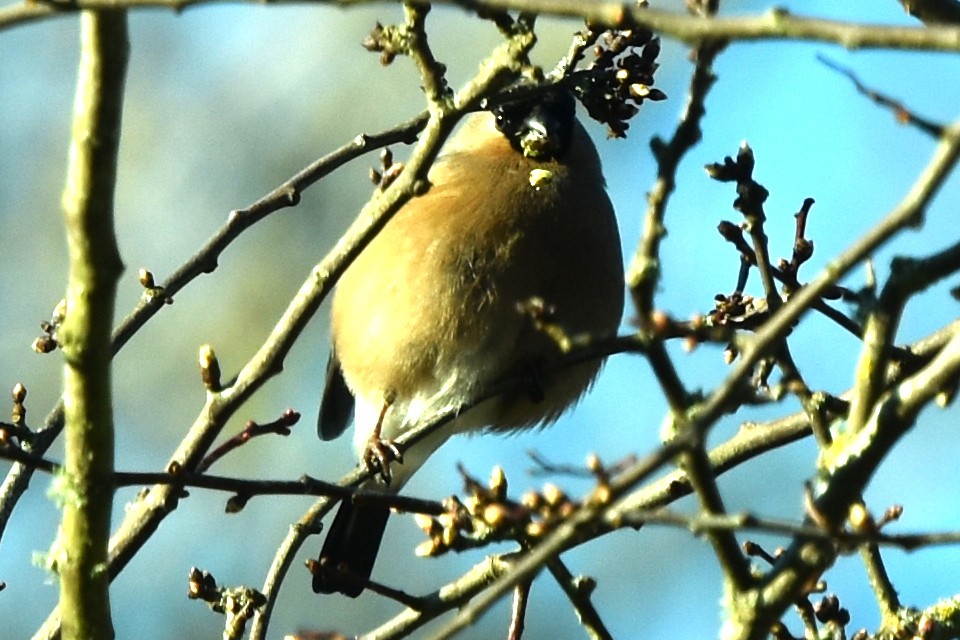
column 430, row 313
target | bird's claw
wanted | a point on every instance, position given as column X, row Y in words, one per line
column 378, row 455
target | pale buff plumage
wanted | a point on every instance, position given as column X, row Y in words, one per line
column 427, row 314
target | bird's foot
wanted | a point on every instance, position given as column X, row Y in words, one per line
column 378, row 456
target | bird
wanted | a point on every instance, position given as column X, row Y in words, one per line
column 432, row 311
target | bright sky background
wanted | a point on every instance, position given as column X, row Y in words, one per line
column 224, row 102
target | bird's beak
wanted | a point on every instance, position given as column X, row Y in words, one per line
column 542, row 136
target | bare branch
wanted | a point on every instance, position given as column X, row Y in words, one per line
column 901, row 112
column 86, row 488
column 776, row 24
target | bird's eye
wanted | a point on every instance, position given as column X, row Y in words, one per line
column 511, row 119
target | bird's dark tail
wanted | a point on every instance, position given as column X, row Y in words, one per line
column 350, row 549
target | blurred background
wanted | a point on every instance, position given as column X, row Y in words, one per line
column 224, row 103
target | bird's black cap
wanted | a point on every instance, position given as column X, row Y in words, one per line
column 540, row 127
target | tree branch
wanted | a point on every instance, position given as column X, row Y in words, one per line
column 86, row 486
column 776, row 24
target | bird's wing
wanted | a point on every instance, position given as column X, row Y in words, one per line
column 336, row 405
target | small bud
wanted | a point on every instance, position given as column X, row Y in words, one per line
column 585, row 585
column 531, row 500
column 390, row 174
column 452, row 504
column 638, row 90
column 731, row 232
column 420, row 187
column 660, row 321
column 449, row 536
column 893, row 513
column 446, row 520
column 425, row 549
column 859, row 517
column 473, row 505
column 18, row 413
column 553, row 494
column 494, row 515
column 146, row 279
column 751, row 548
column 44, row 344
column 236, row 503
column 945, row 397
column 209, row 369
column 602, row 494
column 425, row 522
column 498, row 482
column 730, row 354
column 594, row 464
column 59, row 312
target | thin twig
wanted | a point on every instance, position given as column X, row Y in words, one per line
column 643, row 274
column 518, row 610
column 886, row 595
column 447, row 598
column 901, row 112
column 701, row 523
column 578, row 590
column 775, row 24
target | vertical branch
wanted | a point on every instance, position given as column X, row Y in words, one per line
column 95, row 267
column 643, row 274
